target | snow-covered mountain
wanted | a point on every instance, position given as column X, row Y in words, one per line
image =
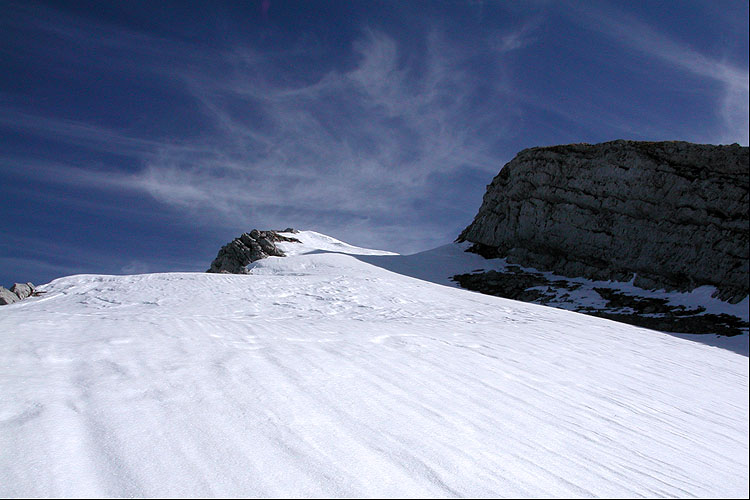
column 324, row 373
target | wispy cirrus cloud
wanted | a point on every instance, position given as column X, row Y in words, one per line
column 515, row 38
column 338, row 148
column 91, row 136
column 732, row 100
column 364, row 142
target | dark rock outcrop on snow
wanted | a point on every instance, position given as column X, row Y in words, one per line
column 234, row 257
column 673, row 213
column 18, row 291
column 649, row 312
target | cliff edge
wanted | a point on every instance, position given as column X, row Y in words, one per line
column 673, row 213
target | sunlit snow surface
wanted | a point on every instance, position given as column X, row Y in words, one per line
column 322, row 375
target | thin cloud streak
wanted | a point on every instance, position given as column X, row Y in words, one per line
column 732, row 104
column 92, row 136
column 515, row 39
column 363, row 142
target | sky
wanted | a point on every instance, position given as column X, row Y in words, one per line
column 142, row 136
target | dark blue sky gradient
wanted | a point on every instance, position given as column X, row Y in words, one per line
column 140, row 137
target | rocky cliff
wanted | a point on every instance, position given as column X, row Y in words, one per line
column 673, row 213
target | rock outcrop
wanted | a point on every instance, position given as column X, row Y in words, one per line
column 234, row 257
column 7, row 297
column 673, row 213
column 18, row 291
column 585, row 297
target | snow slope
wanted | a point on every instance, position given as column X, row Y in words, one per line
column 322, row 375
column 314, row 242
column 438, row 265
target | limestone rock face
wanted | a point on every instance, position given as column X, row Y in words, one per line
column 23, row 290
column 234, row 257
column 7, row 297
column 18, row 291
column 674, row 213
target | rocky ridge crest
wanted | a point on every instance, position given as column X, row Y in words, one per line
column 234, row 257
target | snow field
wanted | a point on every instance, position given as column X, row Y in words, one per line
column 322, row 375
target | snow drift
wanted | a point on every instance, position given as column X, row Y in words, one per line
column 319, row 374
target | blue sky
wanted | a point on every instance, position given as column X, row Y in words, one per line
column 141, row 136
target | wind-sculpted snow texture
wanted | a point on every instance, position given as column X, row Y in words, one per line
column 674, row 213
column 320, row 375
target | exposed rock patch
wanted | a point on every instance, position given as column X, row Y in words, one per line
column 23, row 290
column 673, row 213
column 18, row 291
column 234, row 257
column 7, row 297
column 649, row 312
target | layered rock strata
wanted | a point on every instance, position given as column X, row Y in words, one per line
column 234, row 257
column 675, row 214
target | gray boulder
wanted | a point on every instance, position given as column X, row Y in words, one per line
column 23, row 290
column 7, row 297
column 269, row 247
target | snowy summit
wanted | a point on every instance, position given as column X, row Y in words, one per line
column 322, row 374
